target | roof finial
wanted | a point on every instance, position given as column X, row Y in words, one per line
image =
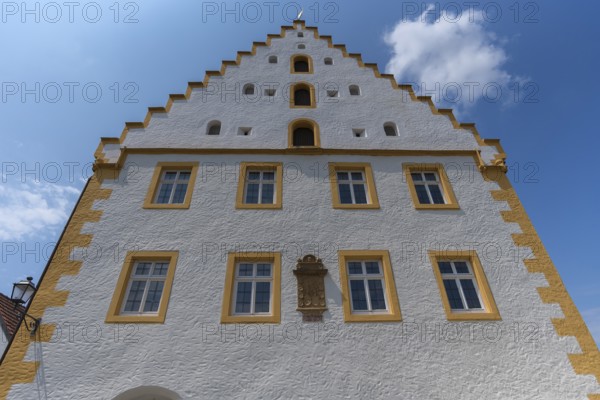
column 300, row 13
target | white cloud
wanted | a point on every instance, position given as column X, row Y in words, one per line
column 451, row 59
column 33, row 209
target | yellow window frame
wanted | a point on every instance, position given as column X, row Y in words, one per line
column 448, row 192
column 366, row 169
column 227, row 317
column 490, row 309
column 383, row 256
column 154, row 183
column 277, row 167
column 114, row 311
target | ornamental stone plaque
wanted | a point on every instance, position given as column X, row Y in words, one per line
column 310, row 273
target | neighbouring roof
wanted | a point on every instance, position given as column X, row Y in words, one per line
column 9, row 316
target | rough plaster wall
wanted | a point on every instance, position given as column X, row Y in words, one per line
column 423, row 357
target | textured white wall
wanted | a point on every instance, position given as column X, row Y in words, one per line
column 423, row 357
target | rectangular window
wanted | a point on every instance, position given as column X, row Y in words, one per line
column 252, row 288
column 172, row 185
column 352, row 185
column 253, row 283
column 260, row 185
column 143, row 288
column 368, row 289
column 429, row 186
column 463, row 287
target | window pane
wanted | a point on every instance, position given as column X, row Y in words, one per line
column 184, row 175
column 267, row 193
column 376, row 293
column 134, row 299
column 453, row 295
column 262, row 297
column 416, row 177
column 342, row 176
column 422, row 194
column 430, row 176
column 164, row 193
column 143, row 268
column 359, row 297
column 436, row 194
column 243, row 296
column 170, row 175
column 160, row 269
column 254, row 175
column 360, row 194
column 154, row 294
column 470, row 293
column 269, row 176
column 445, row 267
column 263, row 270
column 461, row 267
column 252, row 193
column 245, row 269
column 372, row 267
column 357, row 176
column 345, row 196
column 179, row 195
column 354, row 268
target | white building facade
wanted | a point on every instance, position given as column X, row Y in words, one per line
column 421, row 277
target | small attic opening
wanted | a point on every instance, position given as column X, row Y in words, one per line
column 302, row 95
column 249, row 89
column 303, row 133
column 332, row 93
column 359, row 133
column 270, row 92
column 390, row 129
column 301, row 64
column 245, row 131
column 272, row 59
column 304, row 136
column 302, row 46
column 328, row 61
column 213, row 128
column 300, row 34
column 354, row 90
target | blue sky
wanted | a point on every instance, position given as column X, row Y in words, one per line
column 70, row 76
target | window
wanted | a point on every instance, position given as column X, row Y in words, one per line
column 301, row 64
column 332, row 93
column 213, row 128
column 429, row 186
column 249, row 89
column 143, row 288
column 328, row 61
column 354, row 90
column 260, row 185
column 302, row 46
column 172, row 185
column 252, row 290
column 352, row 185
column 303, row 133
column 303, row 95
column 359, row 133
column 463, row 286
column 245, row 131
column 300, row 34
column 272, row 59
column 390, row 129
column 270, row 92
column 368, row 289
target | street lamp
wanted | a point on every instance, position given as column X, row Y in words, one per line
column 21, row 294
